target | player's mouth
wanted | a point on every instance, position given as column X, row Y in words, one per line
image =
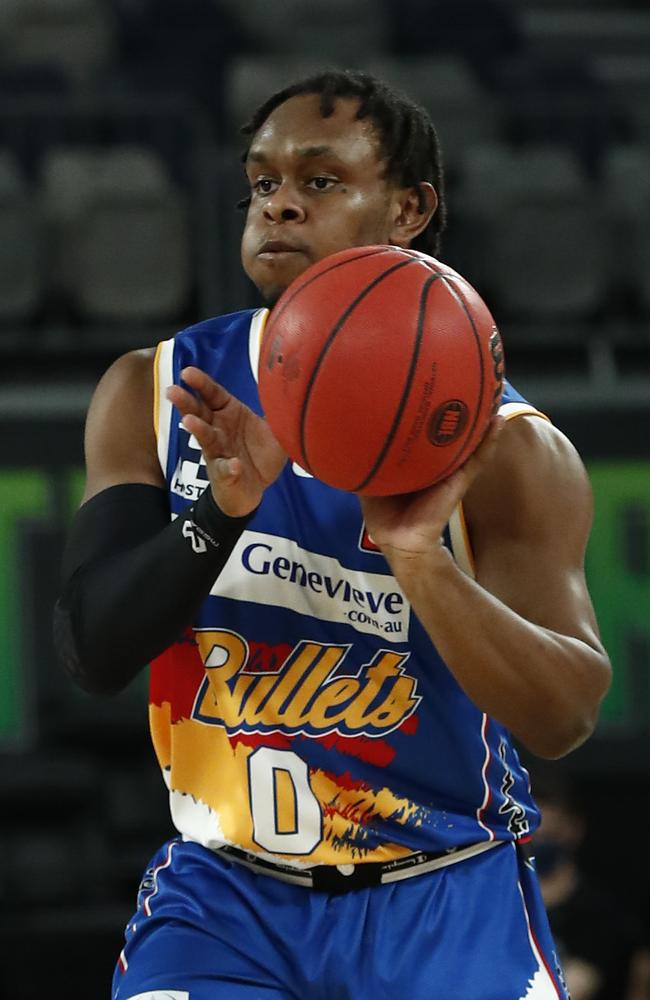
column 278, row 250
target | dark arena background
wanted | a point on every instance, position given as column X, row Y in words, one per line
column 119, row 176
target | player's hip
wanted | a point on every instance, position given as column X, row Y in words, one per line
column 474, row 930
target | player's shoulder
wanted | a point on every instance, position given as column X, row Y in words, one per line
column 214, row 327
column 132, row 373
column 533, row 447
column 530, row 436
column 536, row 485
column 535, row 468
column 513, row 403
column 129, row 374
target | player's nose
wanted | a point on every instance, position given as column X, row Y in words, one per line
column 284, row 205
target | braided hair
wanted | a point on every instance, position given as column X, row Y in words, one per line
column 408, row 141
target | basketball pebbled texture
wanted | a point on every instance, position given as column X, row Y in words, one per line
column 380, row 369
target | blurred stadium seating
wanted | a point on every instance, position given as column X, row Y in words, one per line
column 21, row 247
column 75, row 35
column 335, row 31
column 120, row 234
column 81, row 77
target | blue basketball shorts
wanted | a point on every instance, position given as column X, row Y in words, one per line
column 207, row 928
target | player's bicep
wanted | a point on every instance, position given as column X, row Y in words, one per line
column 120, row 441
column 530, row 521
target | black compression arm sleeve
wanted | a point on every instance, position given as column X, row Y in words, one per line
column 133, row 580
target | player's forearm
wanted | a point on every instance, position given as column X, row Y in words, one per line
column 543, row 686
column 132, row 581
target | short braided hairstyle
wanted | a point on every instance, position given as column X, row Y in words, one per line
column 408, row 139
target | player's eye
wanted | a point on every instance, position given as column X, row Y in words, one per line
column 322, row 183
column 264, row 185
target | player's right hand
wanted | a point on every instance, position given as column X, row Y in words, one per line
column 409, row 526
column 242, row 455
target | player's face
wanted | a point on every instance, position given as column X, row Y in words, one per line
column 317, row 186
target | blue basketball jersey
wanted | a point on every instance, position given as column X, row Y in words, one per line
column 306, row 715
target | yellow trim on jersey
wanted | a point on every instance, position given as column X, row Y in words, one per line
column 460, row 544
column 510, row 410
column 459, row 535
column 156, row 391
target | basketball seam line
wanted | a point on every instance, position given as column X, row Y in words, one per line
column 407, row 385
column 457, row 295
column 335, row 330
column 332, row 267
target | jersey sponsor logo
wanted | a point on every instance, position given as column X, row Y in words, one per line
column 190, row 476
column 270, row 570
column 307, row 694
column 366, row 543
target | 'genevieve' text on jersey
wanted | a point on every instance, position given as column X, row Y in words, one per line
column 270, row 570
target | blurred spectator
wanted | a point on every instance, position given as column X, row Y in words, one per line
column 600, row 940
column 640, row 975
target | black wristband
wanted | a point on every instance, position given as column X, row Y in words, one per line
column 211, row 526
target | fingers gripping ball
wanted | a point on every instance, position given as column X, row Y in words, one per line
column 380, row 369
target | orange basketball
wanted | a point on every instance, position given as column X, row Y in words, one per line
column 380, row 369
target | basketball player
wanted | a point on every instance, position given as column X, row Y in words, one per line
column 337, row 684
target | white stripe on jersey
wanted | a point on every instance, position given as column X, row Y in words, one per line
column 162, row 995
column 164, row 378
column 541, row 986
column 509, row 410
column 258, row 322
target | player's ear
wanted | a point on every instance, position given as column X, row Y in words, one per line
column 414, row 207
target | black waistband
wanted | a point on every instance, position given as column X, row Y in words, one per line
column 336, row 879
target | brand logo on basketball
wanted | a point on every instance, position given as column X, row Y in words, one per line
column 447, row 423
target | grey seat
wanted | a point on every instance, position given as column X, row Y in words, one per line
column 626, row 177
column 571, row 30
column 625, row 181
column 491, row 176
column 76, row 35
column 21, row 274
column 626, row 80
column 133, row 259
column 126, row 241
column 462, row 110
column 548, row 258
column 492, row 184
column 250, row 79
column 337, row 31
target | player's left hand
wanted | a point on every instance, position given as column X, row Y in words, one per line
column 410, row 525
column 241, row 453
